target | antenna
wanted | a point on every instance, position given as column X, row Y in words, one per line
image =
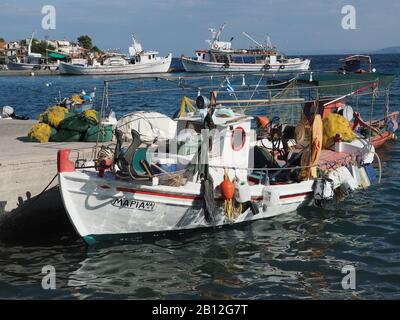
column 249, row 37
column 269, row 43
column 215, row 34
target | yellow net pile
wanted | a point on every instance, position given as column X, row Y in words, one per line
column 336, row 124
column 90, row 115
column 40, row 132
column 76, row 98
column 53, row 116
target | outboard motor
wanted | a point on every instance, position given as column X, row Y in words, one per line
column 323, row 192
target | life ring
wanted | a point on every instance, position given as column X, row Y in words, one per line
column 238, row 138
column 282, row 67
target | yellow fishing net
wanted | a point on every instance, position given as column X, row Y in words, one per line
column 76, row 98
column 90, row 115
column 336, row 124
column 53, row 116
column 40, row 132
column 187, row 105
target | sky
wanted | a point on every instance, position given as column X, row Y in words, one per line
column 181, row 26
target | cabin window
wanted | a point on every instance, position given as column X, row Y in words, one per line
column 149, row 57
column 204, row 55
column 238, row 138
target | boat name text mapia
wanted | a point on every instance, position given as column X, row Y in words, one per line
column 133, row 204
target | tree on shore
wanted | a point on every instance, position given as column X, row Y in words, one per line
column 85, row 42
column 41, row 47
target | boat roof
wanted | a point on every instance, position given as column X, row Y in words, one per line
column 332, row 83
column 149, row 52
column 356, row 57
column 335, row 78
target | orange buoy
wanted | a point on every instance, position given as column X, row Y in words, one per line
column 262, row 122
column 227, row 188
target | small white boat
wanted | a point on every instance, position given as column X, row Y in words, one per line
column 220, row 57
column 138, row 62
column 123, row 196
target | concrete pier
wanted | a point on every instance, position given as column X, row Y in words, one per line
column 26, row 168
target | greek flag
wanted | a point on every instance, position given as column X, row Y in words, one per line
column 229, row 87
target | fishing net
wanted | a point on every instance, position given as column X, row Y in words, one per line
column 336, row 124
column 100, row 133
column 76, row 98
column 65, row 136
column 91, row 116
column 80, row 122
column 53, row 116
column 187, row 105
column 40, row 132
column 290, row 109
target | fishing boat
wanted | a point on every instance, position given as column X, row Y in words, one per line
column 31, row 61
column 221, row 57
column 208, row 167
column 353, row 86
column 357, row 63
column 138, row 62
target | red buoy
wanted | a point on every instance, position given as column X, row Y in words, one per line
column 227, row 188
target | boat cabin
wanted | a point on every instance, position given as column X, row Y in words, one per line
column 356, row 63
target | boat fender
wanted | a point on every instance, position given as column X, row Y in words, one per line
column 242, row 192
column 392, row 125
column 371, row 173
column 349, row 184
column 270, row 197
column 334, row 177
column 282, row 67
column 365, row 183
column 355, row 172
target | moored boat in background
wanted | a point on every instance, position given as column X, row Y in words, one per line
column 138, row 62
column 221, row 57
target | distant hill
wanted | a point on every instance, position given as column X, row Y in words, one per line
column 389, row 50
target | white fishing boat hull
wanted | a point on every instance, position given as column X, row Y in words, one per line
column 31, row 66
column 106, row 208
column 161, row 65
column 192, row 65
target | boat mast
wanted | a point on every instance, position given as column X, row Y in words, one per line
column 30, row 44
